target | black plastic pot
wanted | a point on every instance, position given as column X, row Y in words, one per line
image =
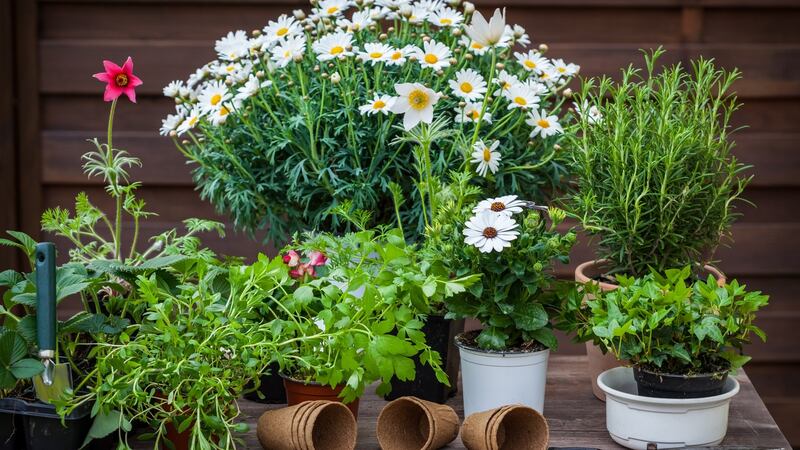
column 661, row 385
column 439, row 334
column 35, row 425
column 271, row 388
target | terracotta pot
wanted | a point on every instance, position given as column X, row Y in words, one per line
column 599, row 362
column 298, row 391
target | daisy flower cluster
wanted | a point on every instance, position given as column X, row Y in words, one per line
column 302, row 115
column 493, row 227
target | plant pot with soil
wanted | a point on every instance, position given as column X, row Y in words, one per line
column 512, row 245
column 656, row 184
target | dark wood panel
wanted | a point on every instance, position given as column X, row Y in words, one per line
column 89, row 113
column 777, row 115
column 749, row 26
column 8, row 123
column 770, row 205
column 159, row 62
column 532, row 3
column 775, row 157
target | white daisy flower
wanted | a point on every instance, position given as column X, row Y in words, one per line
column 521, row 96
column 565, row 70
column 592, row 113
column 191, row 120
column 488, row 34
column 543, row 125
column 398, row 56
column 334, row 45
column 415, row 102
column 486, row 157
column 233, row 46
column 219, row 116
column 468, row 85
column 198, row 76
column 505, row 80
column 213, row 97
column 328, row 8
column 251, row 88
column 237, row 72
column 170, row 124
column 549, row 76
column 430, row 5
column 471, row 112
column 359, row 20
column 446, row 17
column 532, row 61
column 173, row 89
column 380, row 104
column 282, row 28
column 434, row 54
column 286, row 51
column 521, row 36
column 490, row 232
column 507, row 205
column 473, row 46
column 375, row 52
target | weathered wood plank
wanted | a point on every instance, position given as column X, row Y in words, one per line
column 8, row 124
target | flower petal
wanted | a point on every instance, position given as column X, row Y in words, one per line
column 111, row 68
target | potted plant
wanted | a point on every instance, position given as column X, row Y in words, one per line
column 682, row 337
column 357, row 318
column 510, row 243
column 655, row 181
column 291, row 121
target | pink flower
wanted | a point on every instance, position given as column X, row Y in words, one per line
column 120, row 80
column 302, row 270
column 291, row 258
column 317, row 258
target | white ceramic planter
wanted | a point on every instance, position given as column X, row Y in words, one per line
column 493, row 379
column 634, row 421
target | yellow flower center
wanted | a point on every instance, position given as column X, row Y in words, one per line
column 286, row 54
column 430, row 58
column 498, row 207
column 333, row 10
column 418, row 99
column 223, row 111
column 230, row 68
column 375, row 55
column 476, row 46
column 193, row 120
column 216, row 98
column 121, row 80
column 545, row 76
column 543, row 123
column 379, row 104
column 396, row 56
column 336, row 50
column 506, row 85
column 282, row 31
column 489, row 233
column 520, row 101
column 487, row 154
column 562, row 69
column 445, row 21
column 466, row 87
column 530, row 64
column 474, row 114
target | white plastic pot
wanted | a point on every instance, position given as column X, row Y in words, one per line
column 634, row 421
column 493, row 379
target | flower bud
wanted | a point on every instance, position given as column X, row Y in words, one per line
column 543, row 48
column 315, row 19
column 469, row 57
column 439, row 73
column 359, row 2
column 457, row 32
column 299, row 14
column 185, row 142
column 390, row 30
column 462, row 104
column 173, row 133
column 567, row 93
column 452, row 61
column 500, row 66
column 308, row 28
column 426, row 38
column 316, row 68
column 556, row 147
column 325, row 75
column 298, row 58
column 383, row 37
column 260, row 74
column 178, row 101
column 336, row 78
column 405, row 10
column 256, row 33
column 469, row 7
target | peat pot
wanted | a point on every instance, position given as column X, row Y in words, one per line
column 298, row 391
column 490, row 379
column 598, row 362
column 633, row 420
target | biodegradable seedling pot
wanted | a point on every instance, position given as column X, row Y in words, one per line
column 490, row 379
column 599, row 362
column 311, row 425
column 634, row 421
column 410, row 423
column 299, row 391
column 653, row 384
column 36, row 425
column 270, row 387
column 511, row 427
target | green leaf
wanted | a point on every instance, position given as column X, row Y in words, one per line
column 104, row 424
column 27, row 368
column 546, row 337
column 304, row 294
column 492, row 338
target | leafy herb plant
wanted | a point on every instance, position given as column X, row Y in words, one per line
column 655, row 180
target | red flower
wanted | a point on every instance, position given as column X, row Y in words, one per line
column 317, row 258
column 120, row 80
column 291, row 258
column 302, row 270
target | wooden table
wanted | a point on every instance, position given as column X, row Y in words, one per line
column 576, row 418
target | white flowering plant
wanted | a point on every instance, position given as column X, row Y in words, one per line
column 509, row 242
column 336, row 104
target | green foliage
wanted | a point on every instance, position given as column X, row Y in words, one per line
column 15, row 364
column 656, row 182
column 661, row 322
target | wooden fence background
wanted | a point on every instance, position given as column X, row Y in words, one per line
column 49, row 105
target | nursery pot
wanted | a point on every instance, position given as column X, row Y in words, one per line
column 34, row 425
column 599, row 362
column 635, row 421
column 271, row 387
column 298, row 391
column 439, row 335
column 490, row 379
column 665, row 385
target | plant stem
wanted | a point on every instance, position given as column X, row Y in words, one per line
column 115, row 185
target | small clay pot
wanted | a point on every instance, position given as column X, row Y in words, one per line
column 298, row 391
column 312, row 425
column 513, row 427
column 410, row 423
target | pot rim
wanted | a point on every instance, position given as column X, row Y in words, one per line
column 722, row 373
column 657, row 401
column 498, row 353
column 582, row 268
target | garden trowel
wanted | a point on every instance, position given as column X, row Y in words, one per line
column 56, row 377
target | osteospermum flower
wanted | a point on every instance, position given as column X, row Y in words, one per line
column 488, row 34
column 282, row 28
column 334, row 45
column 380, row 104
column 532, row 61
column 119, row 80
column 219, row 116
column 434, row 54
column 473, row 46
column 170, row 124
column 213, row 97
column 468, row 85
column 521, row 36
column 490, row 232
column 416, row 14
column 398, row 56
column 332, row 7
column 358, row 21
column 251, row 88
column 375, row 52
column 543, row 125
column 286, row 51
column 565, row 70
column 486, row 157
column 415, row 102
column 446, row 17
column 521, row 96
column 471, row 112
column 233, row 46
column 173, row 89
column 507, row 205
column 191, row 120
column 505, row 80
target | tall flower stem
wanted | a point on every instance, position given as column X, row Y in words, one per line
column 114, row 183
column 485, row 99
